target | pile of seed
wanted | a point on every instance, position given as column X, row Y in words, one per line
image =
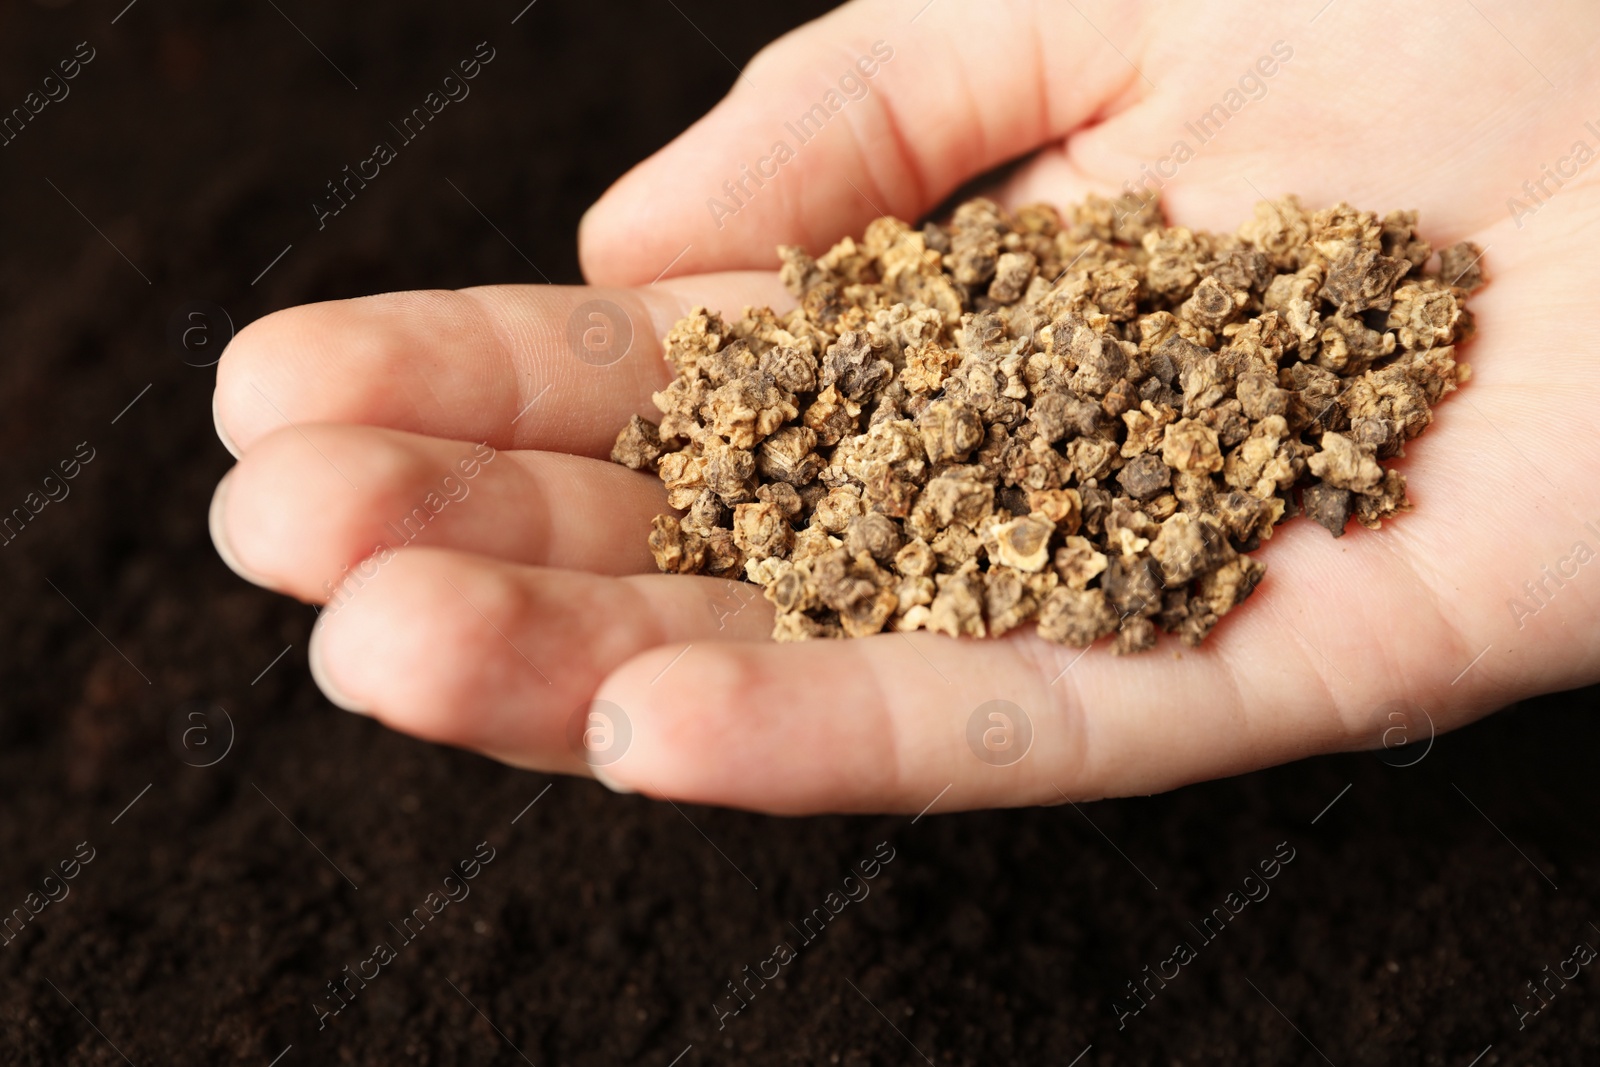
column 1083, row 422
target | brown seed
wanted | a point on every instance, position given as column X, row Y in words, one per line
column 1328, row 506
column 1144, row 476
column 1024, row 543
column 1082, row 420
column 950, row 430
column 875, row 534
column 638, row 445
column 1076, row 617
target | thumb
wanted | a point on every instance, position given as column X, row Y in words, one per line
column 877, row 108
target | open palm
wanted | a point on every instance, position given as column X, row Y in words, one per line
column 485, row 595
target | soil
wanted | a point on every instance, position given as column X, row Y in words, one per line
column 219, row 905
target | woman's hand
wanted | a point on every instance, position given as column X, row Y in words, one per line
column 499, row 589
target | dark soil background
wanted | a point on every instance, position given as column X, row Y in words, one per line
column 220, row 904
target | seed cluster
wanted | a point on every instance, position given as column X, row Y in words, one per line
column 1084, row 422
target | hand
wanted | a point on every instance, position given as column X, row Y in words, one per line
column 531, row 592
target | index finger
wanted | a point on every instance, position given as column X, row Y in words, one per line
column 555, row 368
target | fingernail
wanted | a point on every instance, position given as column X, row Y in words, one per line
column 222, row 434
column 219, row 534
column 601, row 734
column 320, row 675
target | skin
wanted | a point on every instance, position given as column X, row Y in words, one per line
column 535, row 594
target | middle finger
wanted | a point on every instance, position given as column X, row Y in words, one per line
column 309, row 503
